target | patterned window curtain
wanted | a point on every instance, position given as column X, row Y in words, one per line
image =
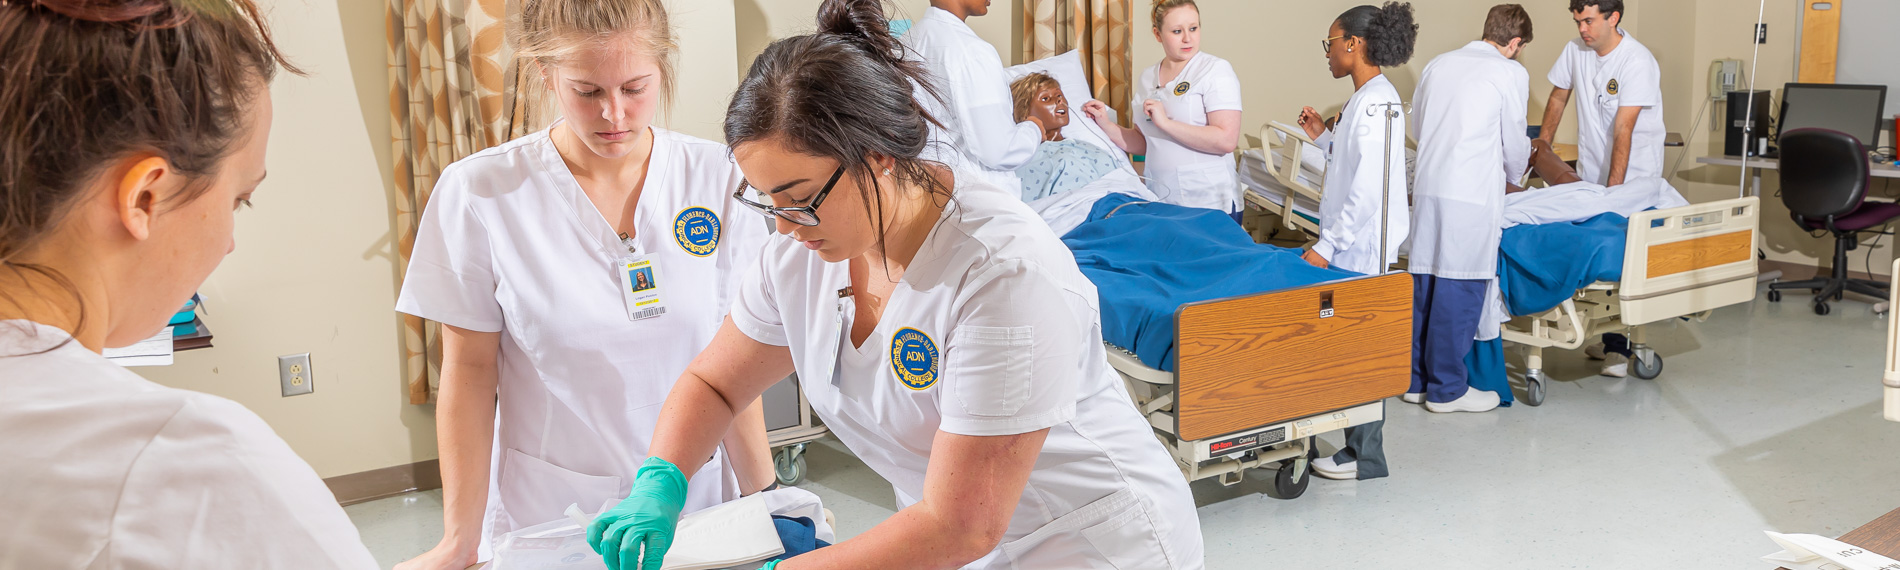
column 452, row 93
column 1097, row 27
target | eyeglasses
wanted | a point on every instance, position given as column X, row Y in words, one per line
column 1326, row 45
column 806, row 215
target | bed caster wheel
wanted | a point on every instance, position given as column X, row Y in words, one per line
column 789, row 463
column 1647, row 365
column 1821, row 308
column 1534, row 382
column 1293, row 476
column 1774, row 296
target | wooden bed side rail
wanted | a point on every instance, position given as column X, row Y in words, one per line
column 1255, row 360
column 1692, row 246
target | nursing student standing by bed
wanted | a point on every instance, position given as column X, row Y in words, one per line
column 131, row 132
column 1189, row 121
column 1469, row 114
column 1359, row 42
column 1619, row 116
column 975, row 131
column 532, row 255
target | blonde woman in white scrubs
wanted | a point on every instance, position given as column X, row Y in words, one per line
column 575, row 272
column 940, row 329
column 119, row 199
column 1189, row 121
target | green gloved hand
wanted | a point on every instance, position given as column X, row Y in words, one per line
column 636, row 534
column 770, row 565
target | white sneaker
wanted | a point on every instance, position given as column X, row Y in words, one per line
column 1616, row 366
column 1325, row 467
column 1595, row 351
column 1413, row 397
column 1474, row 400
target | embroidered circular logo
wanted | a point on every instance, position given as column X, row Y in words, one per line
column 697, row 231
column 1612, row 87
column 914, row 358
column 1180, row 88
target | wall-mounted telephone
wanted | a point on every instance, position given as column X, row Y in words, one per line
column 1725, row 75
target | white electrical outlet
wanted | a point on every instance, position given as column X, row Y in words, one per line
column 295, row 374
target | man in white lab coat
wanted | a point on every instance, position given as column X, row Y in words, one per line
column 979, row 134
column 1468, row 112
column 1619, row 115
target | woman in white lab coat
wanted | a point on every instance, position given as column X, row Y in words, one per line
column 977, row 132
column 117, row 200
column 1366, row 157
column 939, row 328
column 1189, row 122
column 575, row 272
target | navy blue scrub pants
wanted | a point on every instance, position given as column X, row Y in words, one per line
column 1444, row 319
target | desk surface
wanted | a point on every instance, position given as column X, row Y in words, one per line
column 1877, row 169
column 1881, row 536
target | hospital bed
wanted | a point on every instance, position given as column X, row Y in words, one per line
column 1677, row 263
column 1272, row 177
column 1258, row 376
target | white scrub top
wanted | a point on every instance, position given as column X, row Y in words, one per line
column 509, row 243
column 1349, row 204
column 992, row 331
column 982, row 135
column 1181, row 175
column 100, row 468
column 1469, row 113
column 1628, row 77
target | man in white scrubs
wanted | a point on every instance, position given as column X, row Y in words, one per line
column 1619, row 119
column 1468, row 112
column 979, row 131
column 1620, row 111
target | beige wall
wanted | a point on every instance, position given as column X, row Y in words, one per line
column 314, row 269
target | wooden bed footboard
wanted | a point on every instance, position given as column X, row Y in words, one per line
column 1255, row 360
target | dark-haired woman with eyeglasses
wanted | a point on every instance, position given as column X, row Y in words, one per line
column 939, row 328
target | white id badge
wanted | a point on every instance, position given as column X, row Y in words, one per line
column 640, row 285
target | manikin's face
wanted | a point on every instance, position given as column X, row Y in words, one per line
column 1050, row 107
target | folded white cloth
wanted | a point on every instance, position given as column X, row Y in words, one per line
column 738, row 533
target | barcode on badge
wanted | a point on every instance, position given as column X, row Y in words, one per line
column 648, row 313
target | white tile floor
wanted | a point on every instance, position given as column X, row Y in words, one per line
column 1766, row 417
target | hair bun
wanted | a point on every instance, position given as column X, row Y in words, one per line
column 149, row 13
column 864, row 22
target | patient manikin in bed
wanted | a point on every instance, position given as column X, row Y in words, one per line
column 1066, row 176
column 1570, row 199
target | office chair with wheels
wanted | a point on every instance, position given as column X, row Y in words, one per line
column 1824, row 184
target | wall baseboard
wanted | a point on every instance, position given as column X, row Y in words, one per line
column 386, row 482
column 1792, row 271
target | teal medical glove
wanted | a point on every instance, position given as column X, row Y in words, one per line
column 635, row 534
column 773, row 565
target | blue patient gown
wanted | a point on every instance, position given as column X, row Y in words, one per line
column 1061, row 166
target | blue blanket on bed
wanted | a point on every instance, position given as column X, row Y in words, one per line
column 1539, row 266
column 1150, row 258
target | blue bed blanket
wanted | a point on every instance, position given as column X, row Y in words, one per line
column 1150, row 258
column 1539, row 266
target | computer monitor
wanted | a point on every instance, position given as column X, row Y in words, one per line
column 1851, row 109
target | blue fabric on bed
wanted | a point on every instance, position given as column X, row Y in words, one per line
column 798, row 534
column 1484, row 369
column 1539, row 266
column 1151, row 258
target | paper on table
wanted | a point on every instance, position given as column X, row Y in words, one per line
column 1811, row 552
column 155, row 351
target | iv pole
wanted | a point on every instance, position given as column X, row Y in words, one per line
column 1385, row 183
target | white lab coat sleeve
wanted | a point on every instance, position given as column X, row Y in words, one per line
column 216, row 488
column 1336, row 233
column 1517, row 141
column 975, row 85
column 451, row 278
column 755, row 310
column 1560, row 72
column 1013, row 363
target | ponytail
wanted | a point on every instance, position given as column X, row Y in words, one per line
column 1389, row 32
